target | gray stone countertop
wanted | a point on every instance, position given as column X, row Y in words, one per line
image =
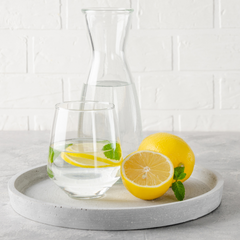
column 217, row 151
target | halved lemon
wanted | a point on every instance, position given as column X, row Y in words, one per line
column 147, row 174
column 89, row 155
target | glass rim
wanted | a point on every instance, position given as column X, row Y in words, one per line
column 107, row 9
column 109, row 106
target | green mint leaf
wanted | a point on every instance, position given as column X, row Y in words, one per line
column 175, row 176
column 53, row 153
column 177, row 172
column 178, row 190
column 112, row 152
column 182, row 176
column 50, row 173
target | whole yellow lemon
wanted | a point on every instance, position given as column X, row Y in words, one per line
column 174, row 147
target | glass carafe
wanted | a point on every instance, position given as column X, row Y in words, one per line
column 109, row 78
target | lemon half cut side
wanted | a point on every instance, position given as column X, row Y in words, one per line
column 147, row 174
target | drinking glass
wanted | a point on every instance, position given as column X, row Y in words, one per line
column 85, row 151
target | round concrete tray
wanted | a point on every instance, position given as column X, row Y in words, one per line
column 34, row 196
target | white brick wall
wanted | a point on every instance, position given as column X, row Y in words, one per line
column 61, row 53
column 184, row 57
column 209, row 52
column 230, row 10
column 43, row 122
column 175, row 14
column 147, row 51
column 13, row 53
column 203, row 122
column 8, row 122
column 29, row 14
column 31, row 92
column 156, row 121
column 230, row 91
column 176, row 91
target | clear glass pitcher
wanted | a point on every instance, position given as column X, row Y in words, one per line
column 109, row 78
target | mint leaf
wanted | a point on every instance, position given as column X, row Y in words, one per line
column 182, row 176
column 112, row 152
column 50, row 173
column 175, row 176
column 179, row 190
column 53, row 153
column 177, row 172
column 178, row 187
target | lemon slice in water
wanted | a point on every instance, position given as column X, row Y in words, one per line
column 84, row 162
column 89, row 155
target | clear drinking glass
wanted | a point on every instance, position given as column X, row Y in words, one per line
column 109, row 79
column 85, row 150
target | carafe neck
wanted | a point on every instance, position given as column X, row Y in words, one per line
column 107, row 30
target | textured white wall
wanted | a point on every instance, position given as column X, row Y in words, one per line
column 184, row 56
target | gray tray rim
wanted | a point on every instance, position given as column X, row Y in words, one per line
column 20, row 208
